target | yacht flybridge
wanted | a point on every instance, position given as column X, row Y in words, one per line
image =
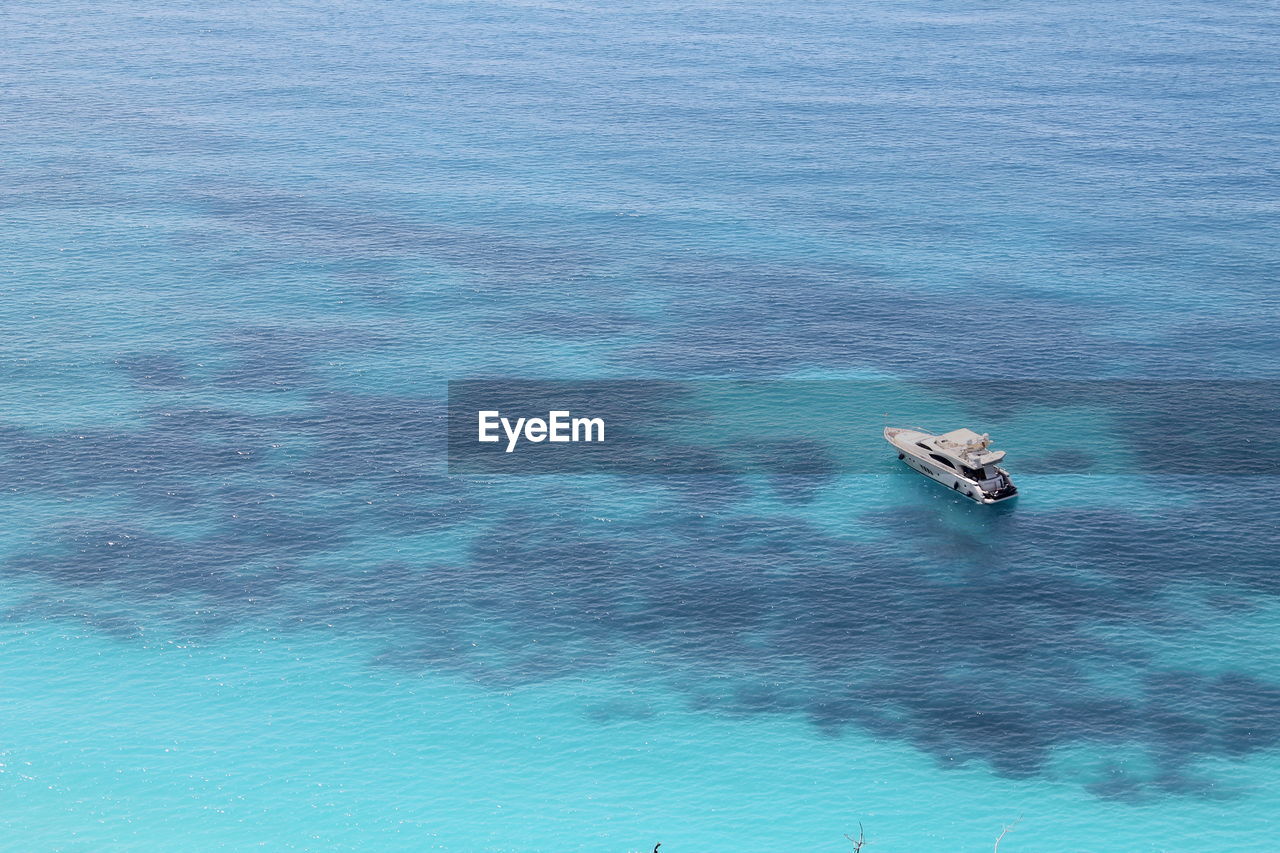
column 960, row 459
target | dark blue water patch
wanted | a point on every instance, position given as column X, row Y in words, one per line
column 276, row 359
column 759, row 697
column 384, row 445
column 924, row 620
column 1232, row 603
column 173, row 422
column 1121, row 784
column 797, row 471
column 1183, row 716
column 1025, row 638
column 118, row 575
column 1009, row 735
column 1232, row 714
column 156, row 370
column 759, row 320
column 80, row 460
column 974, row 639
column 311, row 227
column 286, row 527
column 1228, row 542
column 1249, row 713
column 974, row 667
column 265, row 369
column 135, row 561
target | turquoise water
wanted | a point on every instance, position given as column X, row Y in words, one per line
column 246, row 605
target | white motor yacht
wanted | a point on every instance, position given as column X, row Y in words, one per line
column 961, row 459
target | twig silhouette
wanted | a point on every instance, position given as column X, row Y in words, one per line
column 1005, row 832
column 859, row 841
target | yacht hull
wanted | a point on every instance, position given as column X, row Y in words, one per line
column 904, row 441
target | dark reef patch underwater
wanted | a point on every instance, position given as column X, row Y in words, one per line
column 973, row 638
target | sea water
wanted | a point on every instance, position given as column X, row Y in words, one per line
column 247, row 606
